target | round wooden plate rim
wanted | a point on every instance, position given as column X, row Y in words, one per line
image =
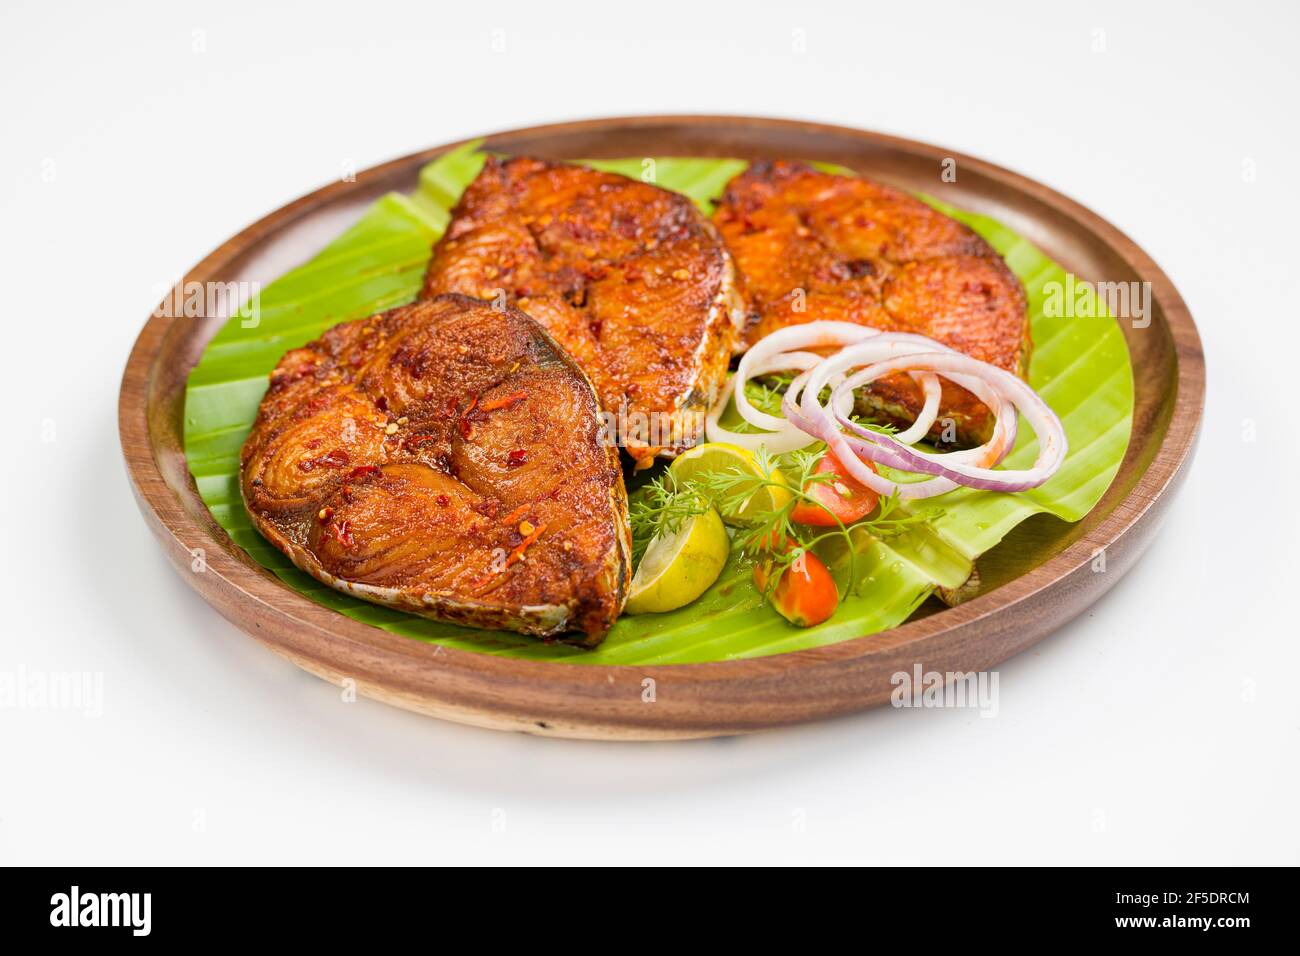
column 313, row 635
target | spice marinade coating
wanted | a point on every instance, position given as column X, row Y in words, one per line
column 811, row 245
column 630, row 279
column 445, row 458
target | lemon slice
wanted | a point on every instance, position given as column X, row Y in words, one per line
column 714, row 457
column 677, row 568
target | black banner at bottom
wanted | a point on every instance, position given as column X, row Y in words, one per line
column 99, row 905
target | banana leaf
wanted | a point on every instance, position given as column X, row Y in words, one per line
column 1080, row 366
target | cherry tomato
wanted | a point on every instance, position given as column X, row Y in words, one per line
column 846, row 497
column 805, row 595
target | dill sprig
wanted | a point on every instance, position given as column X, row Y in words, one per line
column 767, row 392
column 889, row 520
column 871, row 424
column 657, row 508
column 770, row 535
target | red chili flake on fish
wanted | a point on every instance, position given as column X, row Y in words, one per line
column 466, row 427
column 335, row 459
column 506, row 402
column 343, row 533
column 516, row 458
column 515, row 515
column 443, row 501
column 364, row 471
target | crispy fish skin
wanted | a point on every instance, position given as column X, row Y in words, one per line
column 812, row 245
column 448, row 459
column 630, row 279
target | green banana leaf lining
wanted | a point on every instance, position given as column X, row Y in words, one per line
column 1079, row 365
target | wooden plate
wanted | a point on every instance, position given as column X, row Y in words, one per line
column 1040, row 577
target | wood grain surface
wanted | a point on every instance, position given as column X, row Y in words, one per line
column 1039, row 578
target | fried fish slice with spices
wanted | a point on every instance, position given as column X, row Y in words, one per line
column 814, row 245
column 630, row 279
column 448, row 459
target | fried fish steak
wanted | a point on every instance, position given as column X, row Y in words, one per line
column 630, row 279
column 448, row 459
column 812, row 245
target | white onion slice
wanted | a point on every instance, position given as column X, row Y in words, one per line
column 792, row 340
column 781, row 435
column 931, row 389
column 865, row 355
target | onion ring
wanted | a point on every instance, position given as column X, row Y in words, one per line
column 864, row 355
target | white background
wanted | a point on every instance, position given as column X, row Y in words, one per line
column 1161, row 727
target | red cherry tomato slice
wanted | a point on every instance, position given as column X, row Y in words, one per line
column 843, row 496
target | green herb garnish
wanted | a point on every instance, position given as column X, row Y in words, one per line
column 658, row 508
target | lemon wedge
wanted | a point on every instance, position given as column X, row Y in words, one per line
column 714, row 457
column 679, row 567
